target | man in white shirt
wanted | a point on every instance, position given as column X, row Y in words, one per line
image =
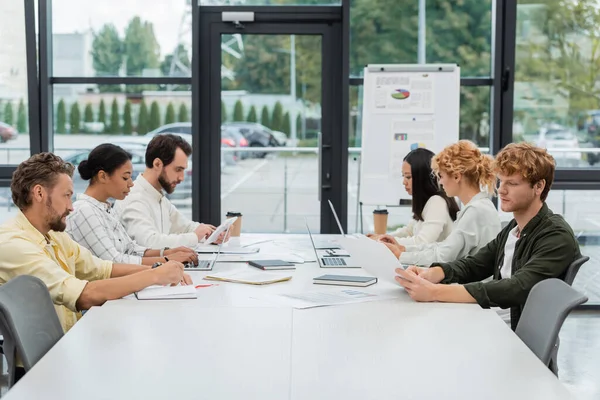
column 148, row 216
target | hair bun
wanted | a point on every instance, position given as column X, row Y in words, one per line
column 84, row 170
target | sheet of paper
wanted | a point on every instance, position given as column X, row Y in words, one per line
column 324, row 298
column 411, row 93
column 293, row 258
column 406, row 134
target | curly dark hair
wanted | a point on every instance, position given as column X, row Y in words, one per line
column 40, row 169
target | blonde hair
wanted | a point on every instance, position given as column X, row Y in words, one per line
column 465, row 158
column 531, row 162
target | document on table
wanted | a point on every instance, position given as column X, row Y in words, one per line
column 249, row 277
column 167, row 292
column 324, row 298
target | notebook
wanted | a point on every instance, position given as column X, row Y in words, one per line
column 345, row 280
column 157, row 292
column 249, row 277
column 272, row 264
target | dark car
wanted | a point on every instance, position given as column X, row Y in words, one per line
column 233, row 137
column 257, row 135
column 589, row 125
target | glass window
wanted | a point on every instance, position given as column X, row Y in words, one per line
column 387, row 32
column 14, row 116
column 263, row 110
column 269, row 2
column 121, row 38
column 84, row 117
column 556, row 102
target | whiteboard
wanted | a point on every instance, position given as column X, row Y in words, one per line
column 404, row 107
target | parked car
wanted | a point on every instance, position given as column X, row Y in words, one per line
column 233, row 137
column 589, row 125
column 257, row 135
column 7, row 132
column 280, row 137
column 560, row 137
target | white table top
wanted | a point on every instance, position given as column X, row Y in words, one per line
column 225, row 345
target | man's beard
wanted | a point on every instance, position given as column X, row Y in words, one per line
column 54, row 221
column 165, row 184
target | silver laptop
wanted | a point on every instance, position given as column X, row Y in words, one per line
column 206, row 265
column 329, row 259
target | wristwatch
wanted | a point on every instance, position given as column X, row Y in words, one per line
column 162, row 251
column 156, row 264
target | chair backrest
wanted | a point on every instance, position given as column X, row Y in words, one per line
column 574, row 269
column 547, row 306
column 28, row 319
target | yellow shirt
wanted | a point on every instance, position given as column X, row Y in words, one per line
column 63, row 265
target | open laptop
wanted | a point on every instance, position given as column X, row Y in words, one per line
column 206, row 265
column 328, row 259
column 339, row 224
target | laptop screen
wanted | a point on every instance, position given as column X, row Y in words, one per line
column 312, row 241
column 336, row 217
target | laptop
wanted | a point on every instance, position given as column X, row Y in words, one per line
column 328, row 259
column 336, row 217
column 339, row 224
column 206, row 265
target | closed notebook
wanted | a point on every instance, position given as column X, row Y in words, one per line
column 249, row 277
column 272, row 264
column 345, row 280
column 167, row 292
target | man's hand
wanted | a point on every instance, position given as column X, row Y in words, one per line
column 187, row 280
column 418, row 288
column 395, row 248
column 184, row 257
column 204, row 230
column 373, row 236
column 170, row 273
column 433, row 275
column 222, row 238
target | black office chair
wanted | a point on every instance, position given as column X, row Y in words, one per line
column 28, row 322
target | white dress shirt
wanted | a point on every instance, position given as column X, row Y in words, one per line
column 435, row 227
column 96, row 226
column 477, row 224
column 152, row 220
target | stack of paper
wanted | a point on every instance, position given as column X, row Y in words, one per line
column 249, row 277
column 167, row 292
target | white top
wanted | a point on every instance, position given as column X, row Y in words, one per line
column 477, row 224
column 151, row 220
column 435, row 227
column 97, row 227
column 506, row 269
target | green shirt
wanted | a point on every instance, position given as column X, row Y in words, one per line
column 545, row 249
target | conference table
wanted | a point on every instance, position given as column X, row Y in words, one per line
column 231, row 343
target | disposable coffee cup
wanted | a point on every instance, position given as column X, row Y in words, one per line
column 236, row 228
column 380, row 218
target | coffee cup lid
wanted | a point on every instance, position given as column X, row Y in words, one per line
column 383, row 211
column 233, row 214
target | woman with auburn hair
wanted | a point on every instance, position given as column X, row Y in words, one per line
column 433, row 211
column 465, row 173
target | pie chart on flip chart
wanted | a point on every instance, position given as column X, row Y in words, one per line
column 401, row 94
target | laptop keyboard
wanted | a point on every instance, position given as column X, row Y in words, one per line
column 201, row 264
column 333, row 261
